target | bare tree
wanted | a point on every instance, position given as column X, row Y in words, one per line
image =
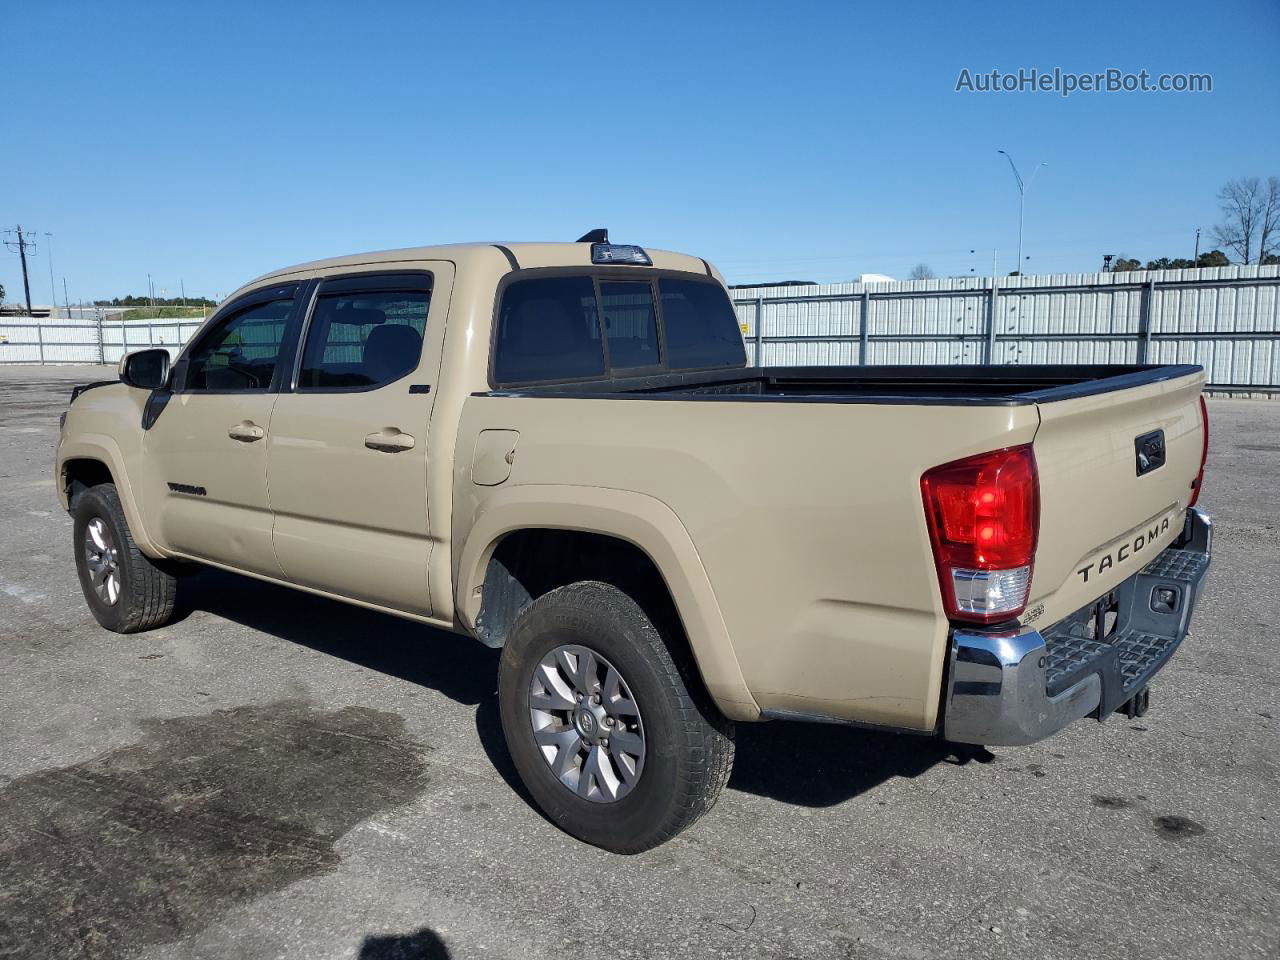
column 922, row 271
column 1270, row 218
column 1249, row 209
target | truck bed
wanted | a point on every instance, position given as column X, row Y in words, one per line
column 942, row 384
column 804, row 498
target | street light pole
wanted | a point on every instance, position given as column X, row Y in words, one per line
column 1022, row 198
column 53, row 290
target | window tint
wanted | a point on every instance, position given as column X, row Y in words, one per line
column 630, row 325
column 363, row 340
column 240, row 353
column 548, row 330
column 701, row 327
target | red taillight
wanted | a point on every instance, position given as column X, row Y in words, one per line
column 1204, row 453
column 984, row 517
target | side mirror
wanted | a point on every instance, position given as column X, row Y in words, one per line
column 146, row 369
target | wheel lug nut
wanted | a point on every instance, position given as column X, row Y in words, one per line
column 580, row 698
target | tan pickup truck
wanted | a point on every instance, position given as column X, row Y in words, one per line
column 560, row 449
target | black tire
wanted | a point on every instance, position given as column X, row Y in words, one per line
column 688, row 745
column 146, row 593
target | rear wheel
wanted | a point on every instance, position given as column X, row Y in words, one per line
column 613, row 745
column 126, row 591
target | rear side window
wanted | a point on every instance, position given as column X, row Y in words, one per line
column 701, row 327
column 360, row 341
column 548, row 329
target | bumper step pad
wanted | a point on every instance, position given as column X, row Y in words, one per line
column 1148, row 631
column 1007, row 688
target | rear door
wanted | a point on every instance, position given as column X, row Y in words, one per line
column 349, row 453
column 1116, row 474
column 206, row 441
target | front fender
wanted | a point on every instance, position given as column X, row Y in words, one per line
column 104, row 449
column 641, row 520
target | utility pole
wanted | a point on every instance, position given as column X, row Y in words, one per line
column 66, row 299
column 151, row 293
column 1195, row 261
column 20, row 245
column 183, row 285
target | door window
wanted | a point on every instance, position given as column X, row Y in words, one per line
column 361, row 341
column 241, row 352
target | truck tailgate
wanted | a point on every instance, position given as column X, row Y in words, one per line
column 1104, row 511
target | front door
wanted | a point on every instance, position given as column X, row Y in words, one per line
column 206, row 441
column 349, row 453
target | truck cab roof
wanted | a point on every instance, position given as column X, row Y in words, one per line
column 518, row 256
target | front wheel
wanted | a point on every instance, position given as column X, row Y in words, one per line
column 602, row 728
column 126, row 591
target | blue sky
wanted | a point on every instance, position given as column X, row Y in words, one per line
column 209, row 143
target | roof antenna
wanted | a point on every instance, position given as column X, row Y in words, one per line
column 598, row 235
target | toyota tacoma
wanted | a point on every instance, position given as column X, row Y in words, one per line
column 561, row 450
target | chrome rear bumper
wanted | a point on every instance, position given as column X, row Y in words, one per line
column 1017, row 687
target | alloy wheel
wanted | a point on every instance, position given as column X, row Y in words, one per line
column 103, row 560
column 586, row 723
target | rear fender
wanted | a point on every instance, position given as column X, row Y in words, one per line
column 640, row 520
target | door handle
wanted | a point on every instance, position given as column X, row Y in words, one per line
column 389, row 440
column 246, row 431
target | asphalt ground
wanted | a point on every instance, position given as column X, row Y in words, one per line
column 277, row 775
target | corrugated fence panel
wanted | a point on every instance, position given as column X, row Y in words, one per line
column 810, row 354
column 76, row 341
column 1203, row 316
column 1066, row 351
column 929, row 315
column 823, row 319
column 923, row 351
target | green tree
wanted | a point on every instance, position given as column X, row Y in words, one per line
column 1214, row 258
column 136, row 301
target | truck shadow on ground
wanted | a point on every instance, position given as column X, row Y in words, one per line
column 422, row 944
column 806, row 764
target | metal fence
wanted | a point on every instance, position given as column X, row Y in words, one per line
column 1225, row 318
column 88, row 341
